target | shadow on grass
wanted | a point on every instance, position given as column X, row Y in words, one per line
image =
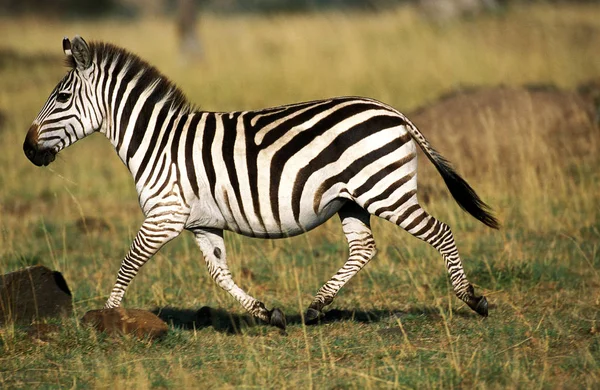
column 226, row 322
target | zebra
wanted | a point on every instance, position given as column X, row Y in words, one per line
column 271, row 173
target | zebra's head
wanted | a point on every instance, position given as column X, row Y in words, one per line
column 70, row 113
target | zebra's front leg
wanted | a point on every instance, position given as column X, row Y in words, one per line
column 153, row 234
column 212, row 246
column 356, row 227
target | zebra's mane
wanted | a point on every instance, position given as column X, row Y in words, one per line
column 107, row 53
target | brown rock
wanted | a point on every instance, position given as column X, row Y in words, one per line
column 32, row 294
column 117, row 321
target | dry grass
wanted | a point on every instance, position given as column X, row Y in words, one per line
column 540, row 273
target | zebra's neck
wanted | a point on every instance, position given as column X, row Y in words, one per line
column 142, row 132
column 138, row 103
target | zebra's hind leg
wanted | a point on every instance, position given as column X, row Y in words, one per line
column 415, row 220
column 356, row 227
column 212, row 246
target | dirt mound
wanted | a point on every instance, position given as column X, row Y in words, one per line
column 503, row 129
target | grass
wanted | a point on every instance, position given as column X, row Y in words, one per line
column 397, row 324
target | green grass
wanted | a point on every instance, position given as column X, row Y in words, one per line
column 397, row 323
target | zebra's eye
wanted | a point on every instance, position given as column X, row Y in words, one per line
column 62, row 97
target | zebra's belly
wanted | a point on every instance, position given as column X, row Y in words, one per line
column 287, row 226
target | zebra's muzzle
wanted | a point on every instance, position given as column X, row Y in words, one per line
column 40, row 157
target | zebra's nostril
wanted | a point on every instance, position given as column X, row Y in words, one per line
column 29, row 150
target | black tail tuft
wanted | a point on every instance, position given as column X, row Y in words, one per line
column 462, row 192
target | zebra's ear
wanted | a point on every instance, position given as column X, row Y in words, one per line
column 69, row 60
column 67, row 46
column 80, row 51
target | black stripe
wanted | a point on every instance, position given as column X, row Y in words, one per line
column 228, row 205
column 229, row 136
column 58, row 137
column 208, row 136
column 175, row 151
column 403, row 199
column 425, row 228
column 161, row 148
column 63, row 118
column 103, row 82
column 342, row 113
column 119, row 89
column 388, row 191
column 176, row 137
column 141, row 123
column 415, row 221
column 276, row 113
column 434, row 232
column 407, row 212
column 129, row 103
column 189, row 153
column 377, row 177
column 252, row 166
column 161, row 167
column 111, row 91
column 153, row 141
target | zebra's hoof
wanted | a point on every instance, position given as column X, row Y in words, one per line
column 278, row 319
column 481, row 307
column 312, row 316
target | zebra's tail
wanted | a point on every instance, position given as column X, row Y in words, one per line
column 462, row 192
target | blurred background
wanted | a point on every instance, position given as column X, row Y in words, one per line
column 135, row 8
column 506, row 89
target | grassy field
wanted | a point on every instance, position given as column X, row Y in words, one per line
column 397, row 324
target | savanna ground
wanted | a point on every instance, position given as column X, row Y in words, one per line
column 397, row 323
